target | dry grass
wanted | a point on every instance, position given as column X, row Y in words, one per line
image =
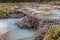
column 53, row 34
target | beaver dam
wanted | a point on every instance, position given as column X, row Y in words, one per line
column 41, row 18
column 34, row 25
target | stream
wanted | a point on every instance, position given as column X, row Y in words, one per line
column 19, row 33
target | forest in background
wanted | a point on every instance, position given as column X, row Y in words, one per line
column 27, row 0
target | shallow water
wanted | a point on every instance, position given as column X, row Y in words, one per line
column 55, row 15
column 17, row 33
column 22, row 34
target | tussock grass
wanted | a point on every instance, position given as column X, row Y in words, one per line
column 53, row 34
